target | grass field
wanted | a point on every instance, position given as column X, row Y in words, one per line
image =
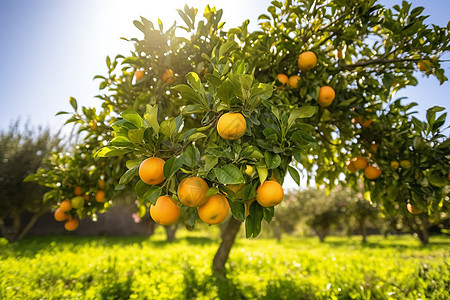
column 141, row 268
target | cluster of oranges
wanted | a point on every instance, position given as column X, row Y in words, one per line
column 307, row 61
column 192, row 190
column 360, row 163
column 63, row 212
column 167, row 76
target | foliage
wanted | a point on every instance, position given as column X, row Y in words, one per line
column 68, row 267
column 191, row 79
column 22, row 152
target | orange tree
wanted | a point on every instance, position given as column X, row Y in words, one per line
column 232, row 112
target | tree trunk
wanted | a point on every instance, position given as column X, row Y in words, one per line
column 422, row 233
column 363, row 230
column 277, row 230
column 30, row 224
column 228, row 237
column 170, row 232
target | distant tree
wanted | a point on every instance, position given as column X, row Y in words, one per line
column 21, row 153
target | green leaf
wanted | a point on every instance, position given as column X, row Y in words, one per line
column 262, row 173
column 226, row 92
column 73, row 103
column 294, row 174
column 128, row 175
column 229, row 174
column 133, row 163
column 224, row 48
column 253, row 221
column 191, row 156
column 172, row 165
column 272, row 160
column 237, row 210
column 152, row 194
column 136, row 135
column 121, row 141
column 133, row 117
column 301, row 112
column 151, row 117
column 110, row 151
column 168, row 127
column 196, row 136
column 212, row 191
column 210, row 162
column 268, row 213
column 437, row 179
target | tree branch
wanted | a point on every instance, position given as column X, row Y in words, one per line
column 378, row 61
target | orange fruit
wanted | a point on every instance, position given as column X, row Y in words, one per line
column 167, row 76
column 192, row 191
column 85, row 197
column 413, row 210
column 249, row 170
column 359, row 162
column 374, row 147
column 151, row 170
column 372, row 172
column 394, row 164
column 215, row 210
column 165, row 211
column 77, row 202
column 364, row 123
column 423, row 65
column 307, row 61
column 339, row 54
column 293, row 81
column 139, row 74
column 270, row 193
column 93, row 124
column 71, row 224
column 60, row 215
column 78, row 191
column 405, row 164
column 236, row 187
column 283, row 79
column 101, row 184
column 231, row 126
column 65, row 206
column 326, row 96
column 350, row 166
column 100, row 196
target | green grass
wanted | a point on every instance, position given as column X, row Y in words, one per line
column 141, row 268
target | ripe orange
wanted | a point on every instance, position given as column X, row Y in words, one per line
column 192, row 191
column 101, row 184
column 231, row 126
column 78, row 191
column 423, row 65
column 151, row 170
column 138, row 74
column 359, row 162
column 167, row 76
column 270, row 193
column 326, row 96
column 307, row 61
column 85, row 197
column 372, row 172
column 293, row 81
column 71, row 224
column 394, row 164
column 215, row 210
column 165, row 211
column 100, row 196
column 405, row 164
column 350, row 166
column 374, row 147
column 60, row 215
column 283, row 79
column 365, row 123
column 65, row 206
column 236, row 187
column 413, row 210
column 77, row 202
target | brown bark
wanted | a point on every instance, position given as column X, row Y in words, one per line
column 170, row 232
column 228, row 237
